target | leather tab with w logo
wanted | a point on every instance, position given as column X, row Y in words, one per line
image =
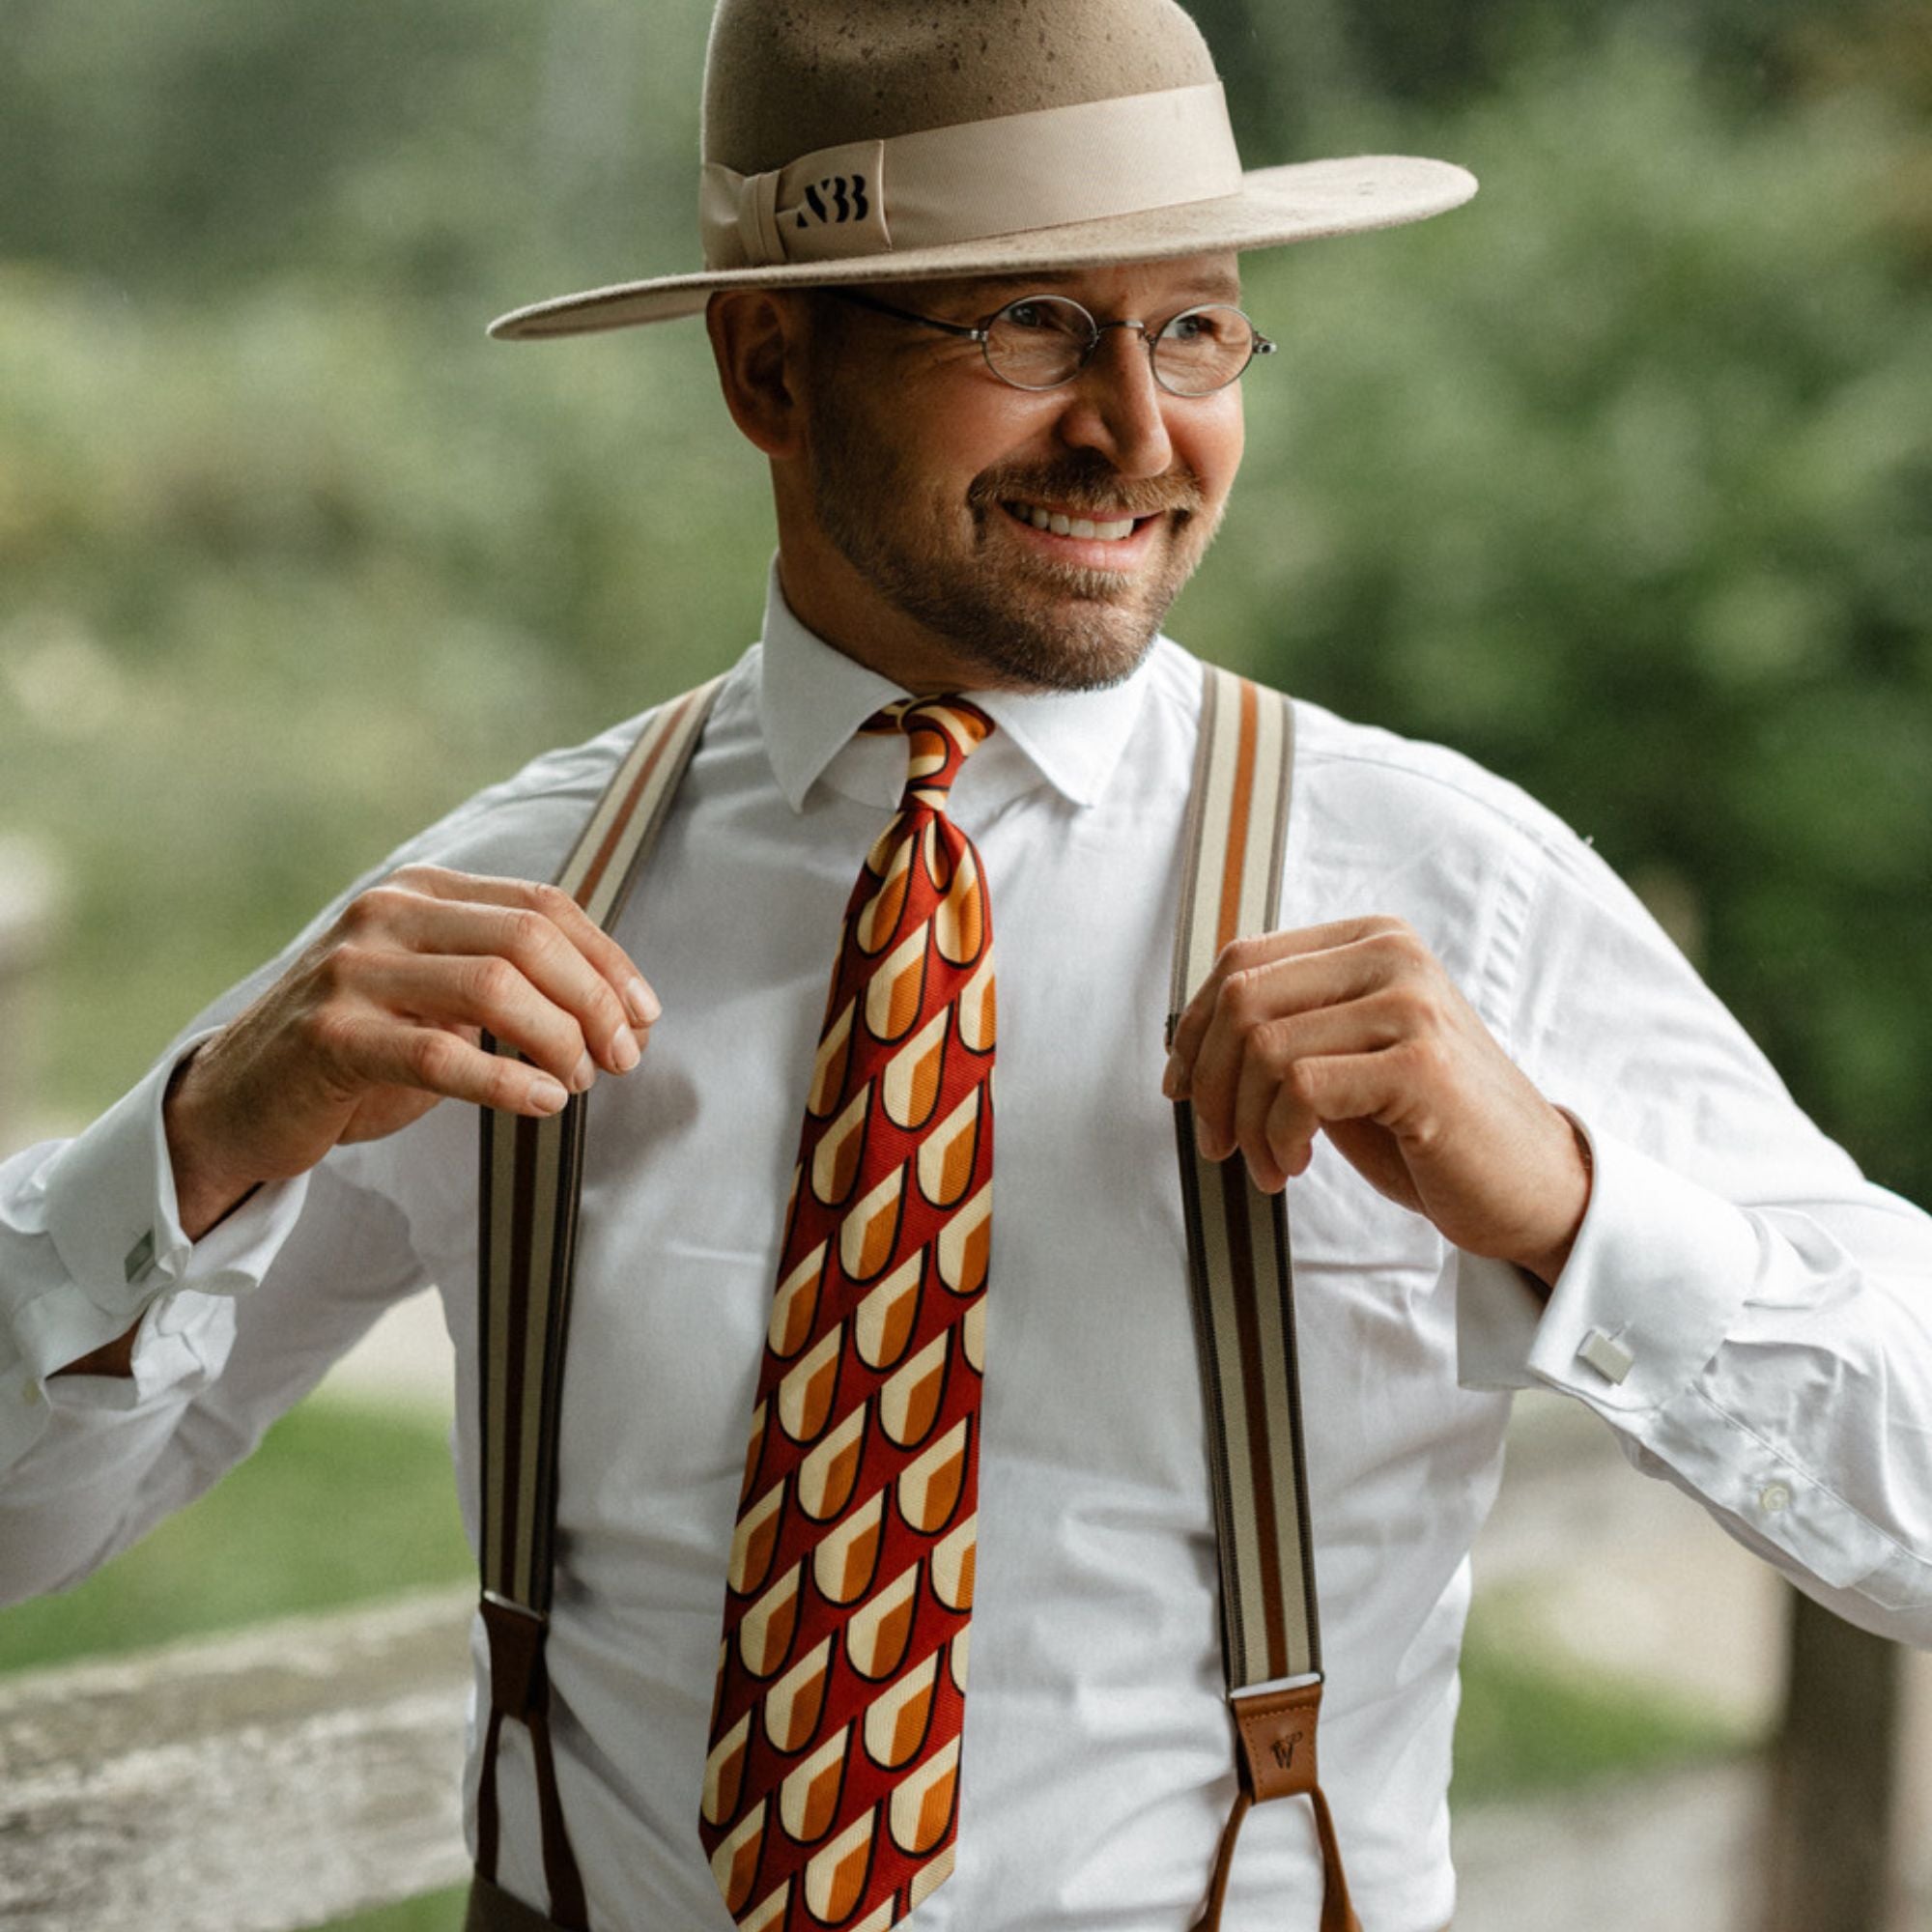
column 832, row 1787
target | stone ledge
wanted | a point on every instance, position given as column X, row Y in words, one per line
column 262, row 1780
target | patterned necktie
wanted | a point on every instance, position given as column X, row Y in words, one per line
column 831, row 1789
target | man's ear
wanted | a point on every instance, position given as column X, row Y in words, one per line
column 758, row 337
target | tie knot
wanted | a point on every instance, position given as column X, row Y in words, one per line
column 940, row 733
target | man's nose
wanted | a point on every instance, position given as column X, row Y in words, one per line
column 1116, row 406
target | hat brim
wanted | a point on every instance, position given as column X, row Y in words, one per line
column 1296, row 203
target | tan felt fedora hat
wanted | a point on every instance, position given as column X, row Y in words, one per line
column 901, row 140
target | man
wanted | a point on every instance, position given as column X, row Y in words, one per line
column 973, row 292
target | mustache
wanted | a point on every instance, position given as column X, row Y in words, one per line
column 1092, row 484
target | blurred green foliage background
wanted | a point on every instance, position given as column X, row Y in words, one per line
column 1620, row 478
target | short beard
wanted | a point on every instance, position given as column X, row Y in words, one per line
column 863, row 492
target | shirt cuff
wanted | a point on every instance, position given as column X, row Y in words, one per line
column 114, row 1220
column 1658, row 1273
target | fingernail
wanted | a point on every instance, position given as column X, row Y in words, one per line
column 645, row 1008
column 624, row 1049
column 1174, row 1082
column 583, row 1073
column 547, row 1096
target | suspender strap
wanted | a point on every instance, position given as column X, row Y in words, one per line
column 531, row 1170
column 1238, row 1252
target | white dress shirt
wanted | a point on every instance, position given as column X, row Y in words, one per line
column 1751, row 1318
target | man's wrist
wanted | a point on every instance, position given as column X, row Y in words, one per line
column 1547, row 1265
column 204, row 1194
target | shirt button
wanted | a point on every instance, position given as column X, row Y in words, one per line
column 1773, row 1497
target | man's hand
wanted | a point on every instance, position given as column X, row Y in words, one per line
column 381, row 1018
column 1354, row 1030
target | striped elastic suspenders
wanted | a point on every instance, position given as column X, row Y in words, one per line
column 1237, row 1264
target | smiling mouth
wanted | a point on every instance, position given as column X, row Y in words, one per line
column 1061, row 524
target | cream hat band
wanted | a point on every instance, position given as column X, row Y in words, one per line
column 962, row 184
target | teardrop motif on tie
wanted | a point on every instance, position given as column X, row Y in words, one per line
column 879, row 917
column 927, row 1880
column 978, row 1009
column 755, row 1454
column 764, row 1637
column 896, row 986
column 973, row 1335
column 808, row 1798
column 909, row 1403
column 835, row 1160
column 958, row 1656
column 877, row 1635
column 735, row 1865
column 879, row 860
column 871, row 1230
column 754, row 1543
column 724, row 1773
column 883, row 1323
column 897, row 1724
column 807, row 1394
column 926, row 748
column 929, row 1486
column 828, row 1071
column 795, row 1307
column 952, row 1561
column 965, row 1242
column 922, row 1808
column 845, row 1563
column 794, row 1704
column 948, row 1154
column 834, row 1880
column 768, row 1914
column 827, row 1475
column 960, row 924
column 910, row 1087
column 935, row 856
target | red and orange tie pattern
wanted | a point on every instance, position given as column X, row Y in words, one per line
column 830, row 1792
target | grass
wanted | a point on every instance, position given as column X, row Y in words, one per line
column 1532, row 1725
column 436, row 1912
column 341, row 1503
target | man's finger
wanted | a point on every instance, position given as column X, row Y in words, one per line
column 640, row 1003
column 470, row 992
column 381, row 1053
column 528, row 940
column 1279, row 973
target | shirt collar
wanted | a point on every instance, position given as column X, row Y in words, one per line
column 813, row 699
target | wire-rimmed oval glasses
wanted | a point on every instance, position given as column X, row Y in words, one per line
column 1040, row 342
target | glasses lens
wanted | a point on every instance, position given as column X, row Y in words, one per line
column 1038, row 341
column 1203, row 349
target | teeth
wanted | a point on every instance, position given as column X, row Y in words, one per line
column 1076, row 526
